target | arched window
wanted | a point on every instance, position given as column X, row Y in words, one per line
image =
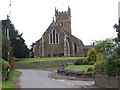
column 53, row 37
column 57, row 36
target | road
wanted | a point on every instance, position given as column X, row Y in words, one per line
column 40, row 79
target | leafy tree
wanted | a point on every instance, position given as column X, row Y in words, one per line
column 103, row 46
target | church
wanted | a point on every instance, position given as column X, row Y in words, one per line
column 57, row 40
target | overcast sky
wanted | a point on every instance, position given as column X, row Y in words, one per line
column 91, row 19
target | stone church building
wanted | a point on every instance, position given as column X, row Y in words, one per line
column 58, row 40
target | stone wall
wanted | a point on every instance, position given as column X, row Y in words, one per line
column 43, row 64
column 107, row 81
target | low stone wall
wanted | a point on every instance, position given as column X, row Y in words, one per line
column 107, row 81
column 43, row 64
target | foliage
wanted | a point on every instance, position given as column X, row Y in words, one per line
column 102, row 46
column 111, row 64
column 76, row 70
column 90, row 69
column 82, row 61
column 91, row 56
column 16, row 45
column 67, row 72
column 108, row 54
column 19, row 47
column 79, row 67
column 5, row 68
column 5, row 45
column 8, row 84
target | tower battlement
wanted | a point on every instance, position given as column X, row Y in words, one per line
column 63, row 19
column 62, row 12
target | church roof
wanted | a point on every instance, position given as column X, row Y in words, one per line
column 72, row 36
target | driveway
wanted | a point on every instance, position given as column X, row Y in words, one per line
column 40, row 79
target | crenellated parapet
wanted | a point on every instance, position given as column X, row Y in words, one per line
column 68, row 12
column 63, row 19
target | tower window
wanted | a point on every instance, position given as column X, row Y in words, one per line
column 62, row 23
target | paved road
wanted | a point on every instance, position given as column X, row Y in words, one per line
column 40, row 79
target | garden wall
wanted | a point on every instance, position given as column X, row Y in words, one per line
column 107, row 81
column 43, row 64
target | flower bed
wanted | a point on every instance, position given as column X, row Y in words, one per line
column 62, row 71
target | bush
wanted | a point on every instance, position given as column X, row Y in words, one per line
column 92, row 62
column 90, row 70
column 90, row 74
column 5, row 69
column 110, row 65
column 78, row 62
column 91, row 55
column 81, row 62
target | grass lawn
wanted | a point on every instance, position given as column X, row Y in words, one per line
column 12, row 76
column 50, row 68
column 79, row 67
column 31, row 60
column 43, row 68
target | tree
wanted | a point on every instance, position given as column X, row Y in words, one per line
column 19, row 47
column 17, row 44
column 5, row 42
column 103, row 46
column 109, row 57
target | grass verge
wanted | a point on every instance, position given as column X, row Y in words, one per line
column 31, row 60
column 8, row 83
column 79, row 67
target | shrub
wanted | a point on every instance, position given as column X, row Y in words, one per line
column 90, row 70
column 92, row 62
column 70, row 72
column 81, row 62
column 5, row 69
column 110, row 65
column 91, row 55
column 89, row 74
column 78, row 62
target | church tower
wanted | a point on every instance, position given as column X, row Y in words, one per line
column 63, row 19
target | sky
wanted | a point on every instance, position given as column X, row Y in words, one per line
column 90, row 19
